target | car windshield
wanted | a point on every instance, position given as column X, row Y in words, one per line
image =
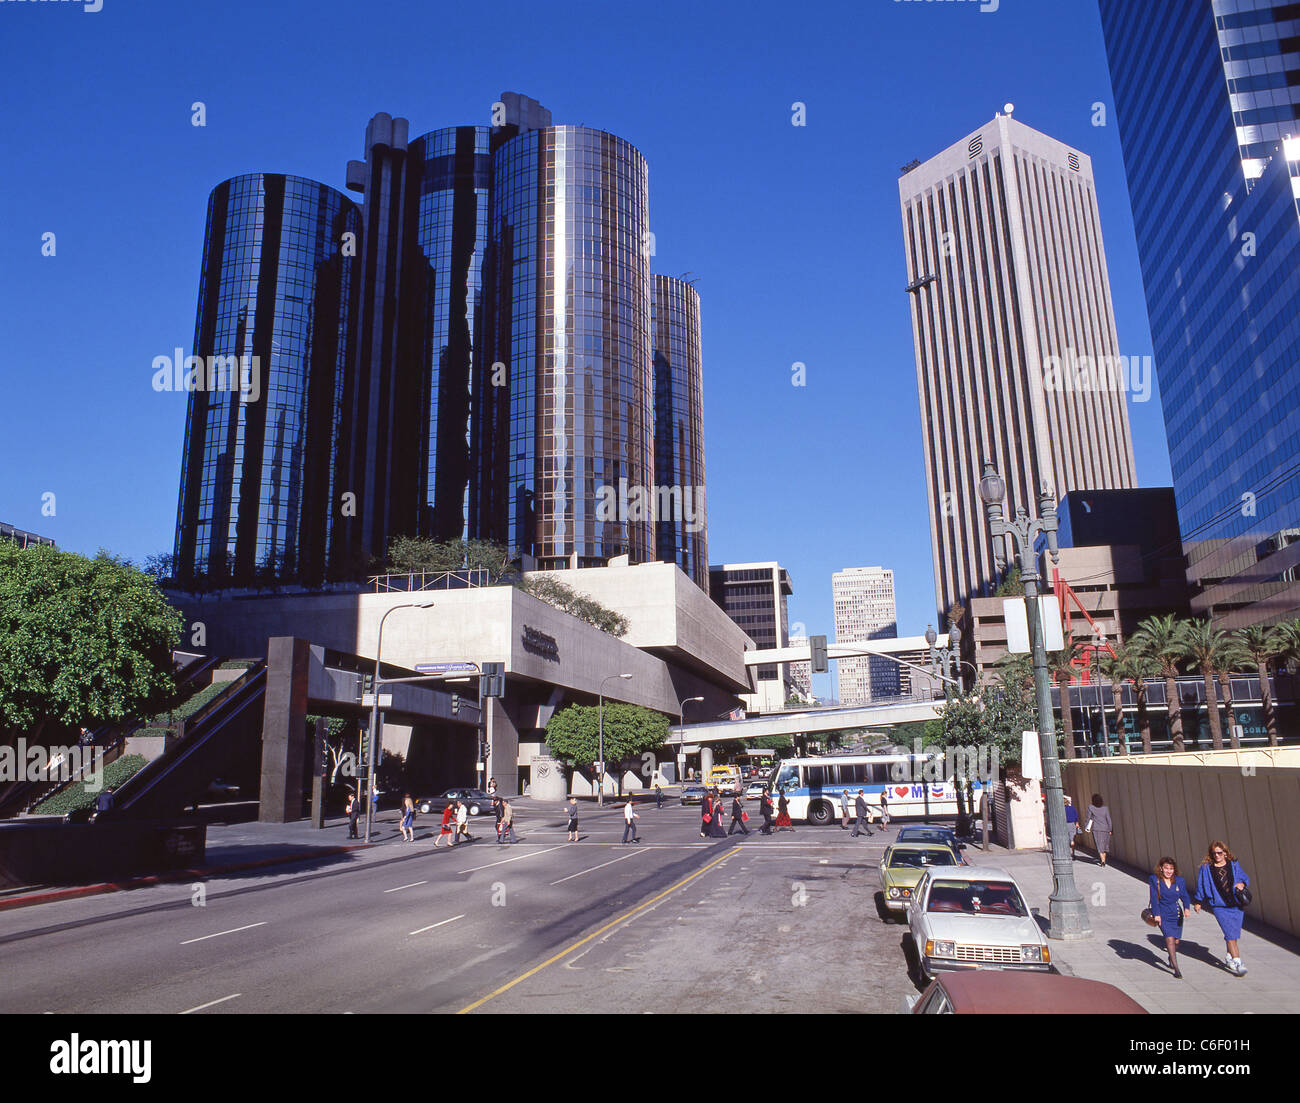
column 924, row 834
column 919, row 859
column 976, row 898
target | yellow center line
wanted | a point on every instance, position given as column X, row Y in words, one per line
column 595, row 934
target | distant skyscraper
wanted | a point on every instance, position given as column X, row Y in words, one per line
column 800, row 673
column 1204, row 107
column 275, row 334
column 1011, row 314
column 679, row 429
column 864, row 610
column 754, row 596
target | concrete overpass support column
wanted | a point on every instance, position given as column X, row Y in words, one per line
column 706, row 761
column 503, row 738
column 284, row 729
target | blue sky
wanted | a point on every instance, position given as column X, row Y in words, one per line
column 792, row 232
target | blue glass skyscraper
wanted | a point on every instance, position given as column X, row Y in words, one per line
column 1219, row 243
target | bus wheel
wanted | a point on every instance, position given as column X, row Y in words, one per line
column 820, row 814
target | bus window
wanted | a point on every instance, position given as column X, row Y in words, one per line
column 816, row 776
column 832, row 775
column 870, row 773
column 786, row 778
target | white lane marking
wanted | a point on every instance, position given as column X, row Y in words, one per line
column 412, row 885
column 233, row 930
column 443, row 923
column 211, row 1003
column 518, row 858
column 601, row 866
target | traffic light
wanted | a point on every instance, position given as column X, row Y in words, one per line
column 455, row 704
column 365, row 686
column 492, row 682
column 817, row 646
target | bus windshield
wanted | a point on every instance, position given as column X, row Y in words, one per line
column 787, row 777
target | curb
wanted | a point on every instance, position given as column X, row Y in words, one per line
column 32, row 899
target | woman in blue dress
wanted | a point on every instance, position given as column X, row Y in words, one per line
column 1220, row 879
column 1170, row 902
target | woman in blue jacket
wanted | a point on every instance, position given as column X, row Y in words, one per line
column 1170, row 902
column 1220, row 880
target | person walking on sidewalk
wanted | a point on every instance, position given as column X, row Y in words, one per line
column 706, row 815
column 408, row 819
column 507, row 823
column 1071, row 824
column 354, row 813
column 462, row 821
column 629, row 822
column 499, row 810
column 765, row 807
column 884, row 809
column 659, row 797
column 738, row 816
column 860, row 811
column 1223, row 887
column 1170, row 904
column 1099, row 823
column 572, row 809
column 846, row 802
column 716, row 830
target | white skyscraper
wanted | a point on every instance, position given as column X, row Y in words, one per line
column 800, row 673
column 864, row 610
column 1017, row 361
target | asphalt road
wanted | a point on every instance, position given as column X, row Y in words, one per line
column 675, row 924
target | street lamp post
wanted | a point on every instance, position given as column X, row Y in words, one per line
column 374, row 713
column 952, row 674
column 681, row 733
column 1069, row 914
column 600, row 795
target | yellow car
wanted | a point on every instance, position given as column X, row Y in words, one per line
column 904, row 864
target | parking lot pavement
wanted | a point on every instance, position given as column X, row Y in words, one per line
column 1125, row 952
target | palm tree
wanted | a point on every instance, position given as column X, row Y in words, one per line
column 1161, row 640
column 1060, row 665
column 1113, row 664
column 1230, row 654
column 1263, row 645
column 1202, row 646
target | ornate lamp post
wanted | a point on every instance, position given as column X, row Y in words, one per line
column 1069, row 914
column 681, row 734
column 600, row 796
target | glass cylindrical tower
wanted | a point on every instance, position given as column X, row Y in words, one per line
column 565, row 441
column 453, row 177
column 258, row 495
column 681, row 534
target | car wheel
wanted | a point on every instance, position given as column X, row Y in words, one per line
column 473, row 809
column 819, row 813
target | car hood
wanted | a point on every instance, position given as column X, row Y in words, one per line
column 981, row 929
column 902, row 876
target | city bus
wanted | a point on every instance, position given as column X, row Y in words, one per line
column 817, row 788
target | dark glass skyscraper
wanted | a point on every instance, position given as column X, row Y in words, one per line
column 679, row 429
column 465, row 355
column 1221, row 265
column 274, row 335
column 567, row 422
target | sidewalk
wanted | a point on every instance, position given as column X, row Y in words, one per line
column 1125, row 952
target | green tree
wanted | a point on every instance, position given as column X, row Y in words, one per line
column 1264, row 645
column 414, row 554
column 573, row 734
column 1012, row 584
column 82, row 641
column 1060, row 665
column 565, row 598
column 1161, row 639
column 1228, row 655
column 1203, row 646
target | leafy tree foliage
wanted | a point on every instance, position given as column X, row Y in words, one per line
column 573, row 734
column 566, row 598
column 82, row 641
column 414, row 554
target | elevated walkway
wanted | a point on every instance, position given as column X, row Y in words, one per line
column 808, row 721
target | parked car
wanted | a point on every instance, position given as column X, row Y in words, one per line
column 932, row 833
column 903, row 866
column 754, row 790
column 1000, row 993
column 694, row 794
column 973, row 917
column 478, row 802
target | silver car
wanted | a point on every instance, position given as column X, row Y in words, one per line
column 973, row 917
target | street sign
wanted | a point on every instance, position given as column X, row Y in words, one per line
column 385, row 700
column 1014, row 613
column 446, row 668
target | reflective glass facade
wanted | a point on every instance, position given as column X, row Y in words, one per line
column 454, row 179
column 564, row 442
column 260, row 464
column 679, row 429
column 1221, row 266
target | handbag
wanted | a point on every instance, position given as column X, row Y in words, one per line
column 1148, row 917
column 708, row 818
column 1242, row 897
column 744, row 817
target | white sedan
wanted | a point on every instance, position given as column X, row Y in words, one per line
column 971, row 917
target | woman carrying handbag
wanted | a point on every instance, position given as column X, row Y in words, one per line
column 1223, row 887
column 1169, row 906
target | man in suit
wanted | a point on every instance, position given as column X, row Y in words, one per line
column 860, row 811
